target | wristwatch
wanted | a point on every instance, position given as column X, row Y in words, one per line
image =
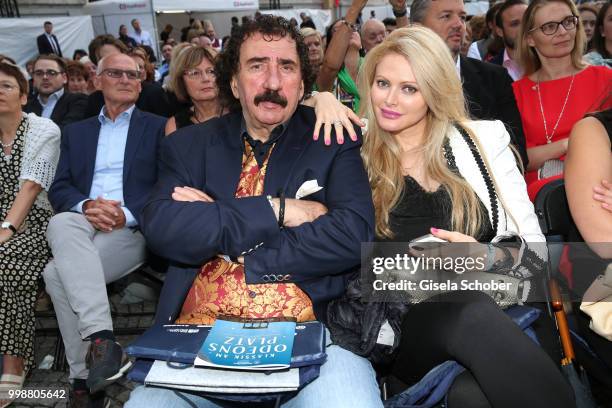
column 9, row 226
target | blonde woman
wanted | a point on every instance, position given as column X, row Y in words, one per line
column 434, row 171
column 314, row 42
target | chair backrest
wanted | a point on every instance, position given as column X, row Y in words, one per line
column 553, row 211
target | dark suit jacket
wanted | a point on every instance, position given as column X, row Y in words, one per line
column 71, row 107
column 75, row 169
column 488, row 89
column 319, row 257
column 44, row 46
column 152, row 99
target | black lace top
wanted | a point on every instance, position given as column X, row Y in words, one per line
column 418, row 210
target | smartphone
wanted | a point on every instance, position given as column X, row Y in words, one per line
column 429, row 238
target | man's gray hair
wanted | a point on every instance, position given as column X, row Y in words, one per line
column 418, row 10
column 102, row 62
column 369, row 23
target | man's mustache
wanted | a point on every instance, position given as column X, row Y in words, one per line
column 271, row 96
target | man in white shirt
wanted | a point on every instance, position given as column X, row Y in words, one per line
column 507, row 24
column 141, row 36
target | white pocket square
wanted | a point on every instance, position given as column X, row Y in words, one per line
column 307, row 188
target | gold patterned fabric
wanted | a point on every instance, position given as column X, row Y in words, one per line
column 220, row 287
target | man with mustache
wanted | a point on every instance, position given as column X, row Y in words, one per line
column 226, row 205
column 486, row 87
column 106, row 170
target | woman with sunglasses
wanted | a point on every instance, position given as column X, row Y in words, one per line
column 557, row 89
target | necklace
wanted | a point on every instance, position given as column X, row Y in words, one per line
column 7, row 144
column 549, row 137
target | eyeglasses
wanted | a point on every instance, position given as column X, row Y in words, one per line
column 6, row 88
column 50, row 73
column 198, row 74
column 569, row 23
column 118, row 73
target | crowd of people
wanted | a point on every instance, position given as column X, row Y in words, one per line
column 431, row 122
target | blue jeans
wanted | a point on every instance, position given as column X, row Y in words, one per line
column 346, row 380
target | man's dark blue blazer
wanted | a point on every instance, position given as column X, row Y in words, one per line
column 75, row 169
column 319, row 256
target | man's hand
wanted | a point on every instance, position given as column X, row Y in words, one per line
column 190, row 194
column 298, row 212
column 104, row 215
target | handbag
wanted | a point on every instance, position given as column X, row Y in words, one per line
column 597, row 303
column 550, row 168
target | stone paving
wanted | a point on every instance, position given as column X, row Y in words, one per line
column 127, row 319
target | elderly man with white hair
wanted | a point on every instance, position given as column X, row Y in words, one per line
column 107, row 167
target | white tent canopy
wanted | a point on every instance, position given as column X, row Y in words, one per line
column 321, row 18
column 19, row 35
column 108, row 15
column 205, row 5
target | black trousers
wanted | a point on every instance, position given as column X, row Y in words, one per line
column 468, row 327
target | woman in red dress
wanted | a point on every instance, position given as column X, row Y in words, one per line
column 558, row 89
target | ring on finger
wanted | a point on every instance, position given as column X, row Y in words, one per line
column 337, row 122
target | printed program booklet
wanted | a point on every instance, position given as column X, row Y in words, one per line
column 255, row 344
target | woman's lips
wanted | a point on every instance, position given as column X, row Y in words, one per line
column 389, row 114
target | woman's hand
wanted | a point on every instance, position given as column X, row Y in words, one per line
column 451, row 236
column 465, row 247
column 190, row 194
column 603, row 194
column 330, row 112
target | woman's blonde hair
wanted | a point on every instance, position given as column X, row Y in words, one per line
column 527, row 56
column 186, row 58
column 437, row 80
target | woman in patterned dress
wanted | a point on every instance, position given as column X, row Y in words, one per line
column 28, row 157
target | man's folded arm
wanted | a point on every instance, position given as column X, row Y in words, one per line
column 63, row 195
column 332, row 243
column 193, row 232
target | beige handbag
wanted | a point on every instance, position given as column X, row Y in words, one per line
column 598, row 304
